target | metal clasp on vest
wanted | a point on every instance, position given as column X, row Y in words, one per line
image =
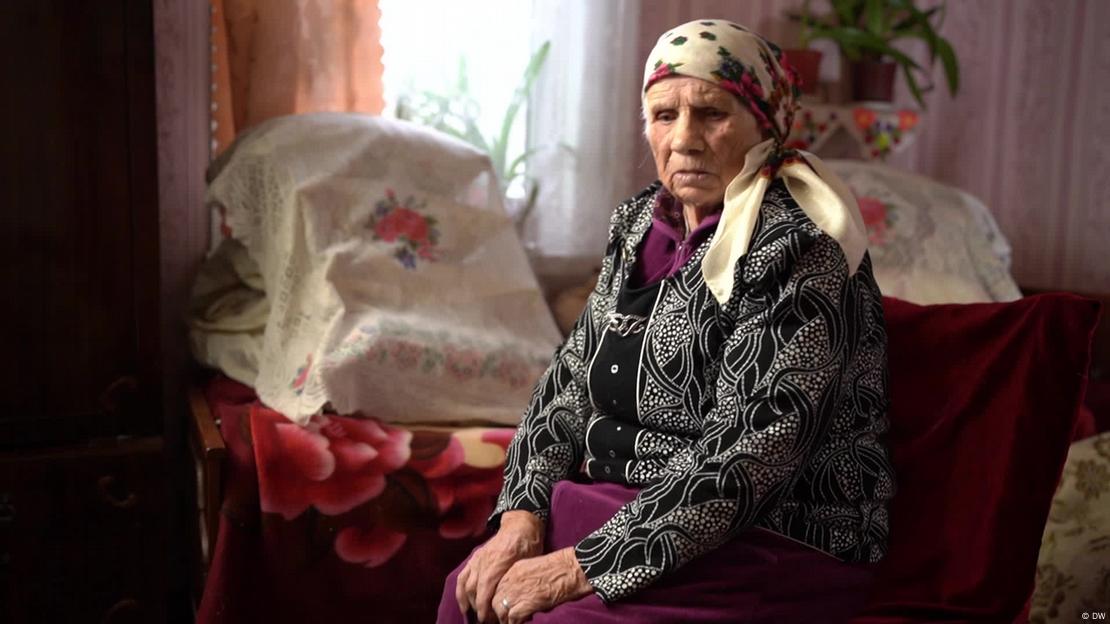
column 626, row 324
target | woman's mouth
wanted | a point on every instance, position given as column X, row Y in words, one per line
column 693, row 177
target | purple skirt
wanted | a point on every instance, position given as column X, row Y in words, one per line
column 760, row 576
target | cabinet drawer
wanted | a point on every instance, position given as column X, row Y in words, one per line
column 82, row 533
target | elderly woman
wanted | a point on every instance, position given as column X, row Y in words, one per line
column 721, row 400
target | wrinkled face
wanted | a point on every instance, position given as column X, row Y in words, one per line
column 699, row 134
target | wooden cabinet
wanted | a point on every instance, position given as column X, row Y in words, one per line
column 79, row 239
column 84, row 496
column 82, row 535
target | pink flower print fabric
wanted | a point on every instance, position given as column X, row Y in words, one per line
column 370, row 479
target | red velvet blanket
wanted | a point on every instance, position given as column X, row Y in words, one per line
column 355, row 519
column 346, row 518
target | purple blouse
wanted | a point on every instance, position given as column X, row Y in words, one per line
column 663, row 252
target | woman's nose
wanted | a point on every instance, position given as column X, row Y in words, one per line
column 687, row 137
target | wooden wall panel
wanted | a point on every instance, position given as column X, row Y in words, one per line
column 78, row 251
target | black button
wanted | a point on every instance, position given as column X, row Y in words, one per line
column 608, row 469
column 612, row 453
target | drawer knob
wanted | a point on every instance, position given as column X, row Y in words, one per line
column 104, row 485
column 118, row 392
column 7, row 509
column 123, row 607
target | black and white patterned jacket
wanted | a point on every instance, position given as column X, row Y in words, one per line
column 770, row 409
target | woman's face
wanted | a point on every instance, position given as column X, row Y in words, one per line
column 699, row 134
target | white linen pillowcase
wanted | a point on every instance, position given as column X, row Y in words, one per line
column 395, row 285
column 930, row 243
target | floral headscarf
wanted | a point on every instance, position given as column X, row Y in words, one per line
column 752, row 68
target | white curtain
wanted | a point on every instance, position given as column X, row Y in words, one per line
column 580, row 115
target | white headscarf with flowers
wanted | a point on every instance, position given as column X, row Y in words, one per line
column 752, row 68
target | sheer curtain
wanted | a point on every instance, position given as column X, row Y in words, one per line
column 584, row 103
column 276, row 57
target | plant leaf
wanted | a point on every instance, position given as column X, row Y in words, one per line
column 848, row 12
column 915, row 90
column 533, row 192
column 915, row 16
column 520, row 96
column 951, row 65
column 473, row 134
column 462, row 86
column 856, row 39
column 511, row 172
column 943, row 50
column 874, row 14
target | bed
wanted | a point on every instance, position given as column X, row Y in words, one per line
column 304, row 514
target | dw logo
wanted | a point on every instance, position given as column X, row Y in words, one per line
column 1094, row 615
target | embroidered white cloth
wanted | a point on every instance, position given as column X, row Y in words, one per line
column 930, row 243
column 369, row 264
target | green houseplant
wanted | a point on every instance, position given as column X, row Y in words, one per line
column 866, row 30
column 456, row 113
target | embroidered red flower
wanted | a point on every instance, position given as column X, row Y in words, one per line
column 400, row 222
column 863, row 117
column 411, row 224
column 463, row 364
column 907, row 119
column 388, row 229
column 405, row 354
column 874, row 217
column 514, row 371
column 299, row 380
column 225, row 229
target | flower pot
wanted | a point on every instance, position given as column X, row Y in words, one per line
column 808, row 65
column 873, row 81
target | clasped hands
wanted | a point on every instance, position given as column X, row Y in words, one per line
column 509, row 578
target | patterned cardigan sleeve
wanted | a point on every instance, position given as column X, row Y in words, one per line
column 550, row 441
column 775, row 396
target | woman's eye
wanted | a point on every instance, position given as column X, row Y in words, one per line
column 665, row 116
column 715, row 114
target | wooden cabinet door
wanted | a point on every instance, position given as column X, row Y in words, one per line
column 79, row 236
column 83, row 534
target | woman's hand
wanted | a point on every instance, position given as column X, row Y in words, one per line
column 520, row 537
column 539, row 584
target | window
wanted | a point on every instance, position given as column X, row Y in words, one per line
column 425, row 42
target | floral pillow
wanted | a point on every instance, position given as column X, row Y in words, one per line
column 1073, row 571
column 929, row 242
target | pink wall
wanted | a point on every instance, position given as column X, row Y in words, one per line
column 1028, row 132
column 1038, row 157
column 181, row 92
